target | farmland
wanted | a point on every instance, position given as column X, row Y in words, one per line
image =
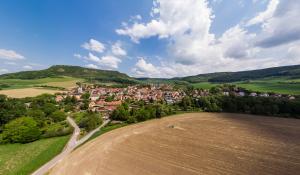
column 20, row 88
column 64, row 82
column 276, row 85
column 25, row 158
column 194, row 143
column 27, row 92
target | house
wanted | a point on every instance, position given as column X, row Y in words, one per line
column 80, row 90
column 226, row 93
column 59, row 98
column 27, row 105
column 292, row 98
column 94, row 97
column 264, row 95
column 242, row 94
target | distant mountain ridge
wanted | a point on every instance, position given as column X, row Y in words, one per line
column 72, row 71
column 291, row 71
column 115, row 76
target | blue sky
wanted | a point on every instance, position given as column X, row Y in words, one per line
column 155, row 38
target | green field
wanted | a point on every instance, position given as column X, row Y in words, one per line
column 64, row 82
column 22, row 159
column 205, row 85
column 277, row 85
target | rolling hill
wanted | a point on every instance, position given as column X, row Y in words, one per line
column 224, row 77
column 285, row 79
column 72, row 71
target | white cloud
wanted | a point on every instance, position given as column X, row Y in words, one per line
column 117, row 49
column 142, row 68
column 10, row 55
column 108, row 61
column 78, row 55
column 94, row 45
column 193, row 49
column 265, row 15
column 10, row 63
column 3, row 70
column 175, row 19
column 282, row 27
column 185, row 24
column 28, row 67
column 237, row 43
column 92, row 66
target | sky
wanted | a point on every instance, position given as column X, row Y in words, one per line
column 149, row 38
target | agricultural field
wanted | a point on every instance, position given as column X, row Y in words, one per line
column 63, row 82
column 205, row 85
column 193, row 143
column 27, row 92
column 25, row 158
column 277, row 85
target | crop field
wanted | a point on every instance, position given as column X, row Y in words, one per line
column 64, row 82
column 27, row 92
column 277, row 85
column 22, row 159
column 193, row 143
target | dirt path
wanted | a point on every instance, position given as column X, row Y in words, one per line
column 198, row 143
column 72, row 144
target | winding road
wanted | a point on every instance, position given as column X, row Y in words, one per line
column 72, row 144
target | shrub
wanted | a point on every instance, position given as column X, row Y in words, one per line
column 21, row 130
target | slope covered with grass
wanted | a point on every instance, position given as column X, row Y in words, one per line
column 22, row 159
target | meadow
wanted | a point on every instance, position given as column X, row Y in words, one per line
column 23, row 159
column 276, row 85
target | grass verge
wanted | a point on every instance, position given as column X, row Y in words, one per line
column 103, row 130
column 22, row 159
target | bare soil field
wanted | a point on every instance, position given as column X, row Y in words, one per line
column 63, row 84
column 194, row 143
column 27, row 92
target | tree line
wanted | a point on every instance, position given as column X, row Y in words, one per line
column 29, row 119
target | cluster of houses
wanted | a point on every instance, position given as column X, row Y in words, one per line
column 240, row 92
column 107, row 99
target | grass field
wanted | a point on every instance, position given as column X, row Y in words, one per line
column 64, row 82
column 22, row 159
column 205, row 85
column 190, row 144
column 277, row 85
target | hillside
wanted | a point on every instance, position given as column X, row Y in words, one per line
column 284, row 71
column 72, row 71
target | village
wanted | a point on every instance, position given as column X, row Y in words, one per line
column 105, row 99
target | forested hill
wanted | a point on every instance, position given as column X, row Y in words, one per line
column 284, row 71
column 72, row 71
column 115, row 76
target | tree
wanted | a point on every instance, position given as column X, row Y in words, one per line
column 49, row 108
column 120, row 113
column 186, row 103
column 89, row 121
column 21, row 130
column 38, row 115
column 58, row 116
column 85, row 96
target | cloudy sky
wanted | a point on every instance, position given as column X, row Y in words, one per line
column 149, row 38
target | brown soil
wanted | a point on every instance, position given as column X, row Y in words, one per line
column 27, row 92
column 195, row 143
